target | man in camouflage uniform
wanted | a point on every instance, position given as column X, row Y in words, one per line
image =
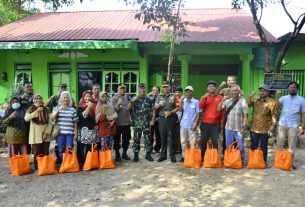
column 166, row 103
column 142, row 119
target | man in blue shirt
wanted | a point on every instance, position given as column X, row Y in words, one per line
column 293, row 107
column 189, row 120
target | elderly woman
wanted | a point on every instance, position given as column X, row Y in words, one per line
column 16, row 133
column 40, row 127
column 87, row 133
column 105, row 119
column 66, row 118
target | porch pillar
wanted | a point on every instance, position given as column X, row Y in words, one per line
column 184, row 59
column 144, row 70
column 247, row 73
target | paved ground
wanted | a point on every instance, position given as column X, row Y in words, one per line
column 156, row 184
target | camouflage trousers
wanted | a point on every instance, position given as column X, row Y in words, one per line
column 137, row 138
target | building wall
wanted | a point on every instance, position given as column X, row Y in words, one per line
column 187, row 55
column 40, row 59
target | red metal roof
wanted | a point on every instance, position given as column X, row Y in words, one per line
column 212, row 25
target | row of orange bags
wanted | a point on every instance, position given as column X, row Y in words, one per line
column 232, row 158
column 95, row 159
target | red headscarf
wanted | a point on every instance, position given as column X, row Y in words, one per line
column 83, row 105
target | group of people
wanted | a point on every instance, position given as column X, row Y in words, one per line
column 158, row 118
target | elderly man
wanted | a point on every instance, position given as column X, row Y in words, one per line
column 189, row 120
column 263, row 119
column 293, row 107
column 236, row 117
column 166, row 103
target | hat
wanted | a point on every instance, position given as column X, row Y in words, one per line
column 189, row 88
column 179, row 89
column 264, row 86
column 122, row 85
column 36, row 95
column 211, row 82
column 142, row 85
column 63, row 85
column 165, row 84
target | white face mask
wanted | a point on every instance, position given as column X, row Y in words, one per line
column 16, row 106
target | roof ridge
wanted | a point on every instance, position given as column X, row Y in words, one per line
column 134, row 10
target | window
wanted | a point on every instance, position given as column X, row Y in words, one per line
column 88, row 74
column 59, row 73
column 23, row 73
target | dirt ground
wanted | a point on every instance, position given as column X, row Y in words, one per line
column 157, row 184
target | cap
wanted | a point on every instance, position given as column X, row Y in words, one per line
column 122, row 85
column 63, row 85
column 211, row 82
column 189, row 88
column 264, row 86
column 165, row 84
column 142, row 85
column 179, row 89
column 36, row 95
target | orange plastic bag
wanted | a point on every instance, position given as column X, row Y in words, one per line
column 232, row 158
column 106, row 161
column 69, row 161
column 211, row 157
column 92, row 161
column 283, row 160
column 46, row 165
column 20, row 165
column 256, row 159
column 192, row 158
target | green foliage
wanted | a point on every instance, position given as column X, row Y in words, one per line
column 15, row 90
column 12, row 10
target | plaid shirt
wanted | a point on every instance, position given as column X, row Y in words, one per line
column 235, row 117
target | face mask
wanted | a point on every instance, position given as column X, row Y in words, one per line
column 16, row 106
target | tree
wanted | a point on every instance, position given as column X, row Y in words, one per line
column 12, row 10
column 256, row 8
column 166, row 15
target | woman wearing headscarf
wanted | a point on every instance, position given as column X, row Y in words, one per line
column 105, row 119
column 40, row 127
column 66, row 118
column 16, row 133
column 87, row 133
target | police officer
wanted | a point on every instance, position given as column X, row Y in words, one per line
column 142, row 119
column 167, row 122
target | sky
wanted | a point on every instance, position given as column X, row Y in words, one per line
column 274, row 18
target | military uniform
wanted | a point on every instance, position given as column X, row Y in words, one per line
column 167, row 126
column 141, row 117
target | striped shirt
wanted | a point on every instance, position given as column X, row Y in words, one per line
column 66, row 119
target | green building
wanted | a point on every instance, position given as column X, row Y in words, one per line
column 110, row 47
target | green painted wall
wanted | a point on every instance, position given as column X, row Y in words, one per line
column 41, row 58
column 152, row 54
column 295, row 58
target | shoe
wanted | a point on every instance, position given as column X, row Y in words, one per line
column 181, row 160
column 148, row 157
column 118, row 157
column 161, row 159
column 173, row 160
column 294, row 167
column 136, row 157
column 124, row 155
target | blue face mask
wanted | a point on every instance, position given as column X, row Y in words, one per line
column 16, row 106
